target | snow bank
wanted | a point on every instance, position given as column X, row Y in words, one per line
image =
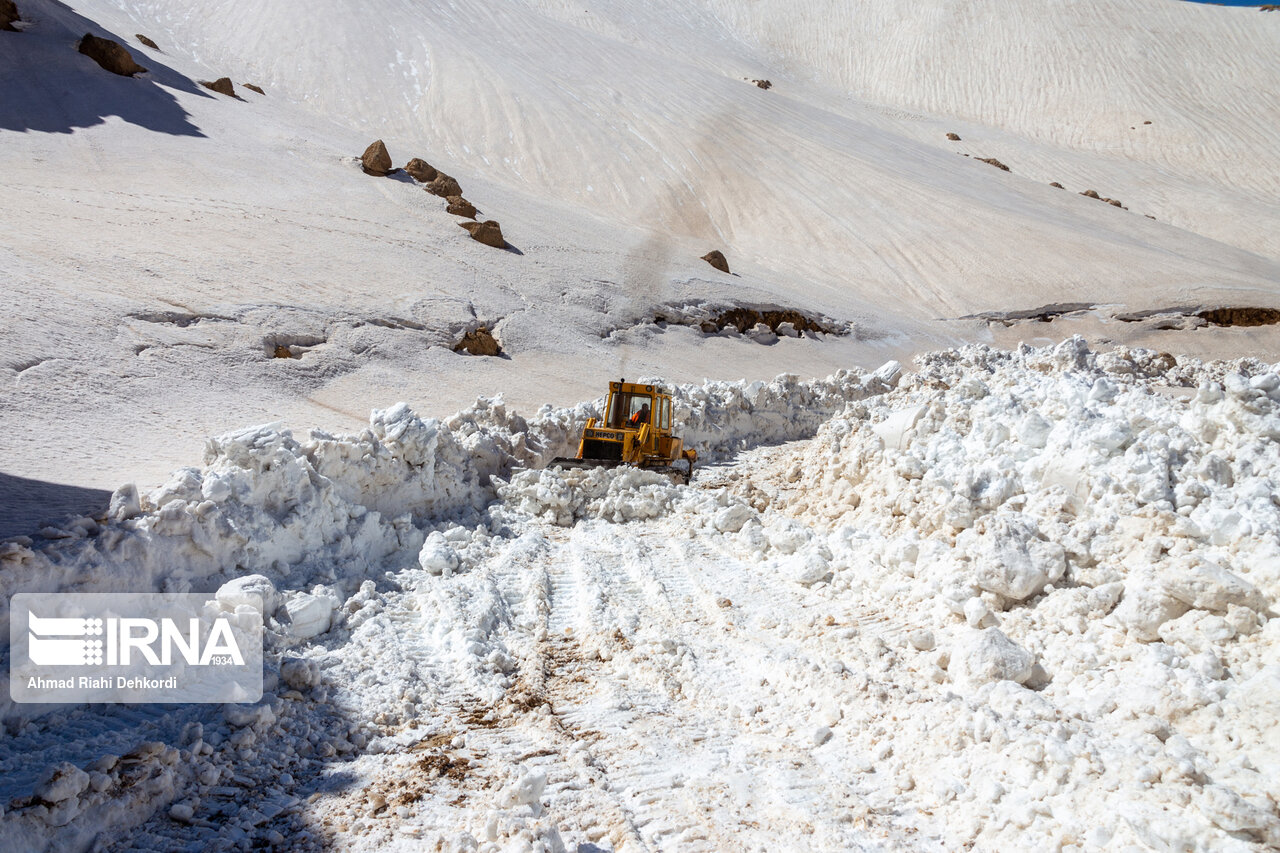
column 1088, row 538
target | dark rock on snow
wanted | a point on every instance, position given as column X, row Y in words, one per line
column 375, row 160
column 487, row 232
column 443, row 186
column 716, row 258
column 479, row 342
column 222, row 86
column 459, row 206
column 146, row 41
column 8, row 14
column 111, row 55
column 421, row 170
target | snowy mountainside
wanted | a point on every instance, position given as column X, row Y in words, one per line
column 172, row 239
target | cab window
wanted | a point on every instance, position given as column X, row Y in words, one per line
column 629, row 410
column 638, row 410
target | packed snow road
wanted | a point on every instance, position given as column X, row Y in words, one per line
column 1016, row 600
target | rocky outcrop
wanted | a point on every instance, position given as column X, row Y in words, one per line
column 487, row 232
column 1114, row 202
column 763, row 84
column 1057, row 185
column 146, row 41
column 479, row 342
column 253, row 88
column 954, row 137
column 421, row 170
column 222, row 86
column 1241, row 316
column 991, row 161
column 443, row 186
column 375, row 160
column 111, row 55
column 459, row 206
column 716, row 258
column 8, row 14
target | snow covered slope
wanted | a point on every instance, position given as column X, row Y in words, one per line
column 160, row 240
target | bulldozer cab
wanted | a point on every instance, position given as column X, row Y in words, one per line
column 632, row 405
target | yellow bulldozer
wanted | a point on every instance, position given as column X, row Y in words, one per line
column 636, row 430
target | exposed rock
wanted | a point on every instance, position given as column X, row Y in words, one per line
column 994, row 162
column 487, row 232
column 763, row 84
column 443, row 186
column 1241, row 316
column 478, row 341
column 745, row 319
column 146, row 41
column 459, row 206
column 421, row 170
column 8, row 14
column 375, row 160
column 1091, row 194
column 111, row 55
column 1114, row 202
column 954, row 137
column 253, row 88
column 716, row 258
column 222, row 86
column 1056, row 184
column 1146, row 122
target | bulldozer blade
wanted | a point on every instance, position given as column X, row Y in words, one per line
column 569, row 462
column 684, row 473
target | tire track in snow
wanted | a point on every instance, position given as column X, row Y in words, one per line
column 671, row 759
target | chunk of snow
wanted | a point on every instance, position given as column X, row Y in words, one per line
column 255, row 591
column 61, row 782
column 893, row 429
column 310, row 615
column 979, row 657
